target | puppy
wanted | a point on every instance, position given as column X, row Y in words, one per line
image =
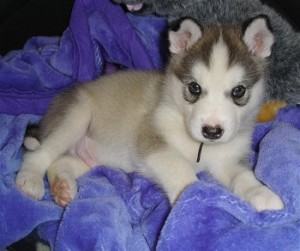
column 196, row 115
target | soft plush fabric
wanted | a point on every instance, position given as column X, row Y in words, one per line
column 114, row 210
column 100, row 38
column 283, row 82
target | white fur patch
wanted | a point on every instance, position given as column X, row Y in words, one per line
column 215, row 107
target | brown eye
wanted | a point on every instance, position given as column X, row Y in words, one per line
column 195, row 88
column 238, row 92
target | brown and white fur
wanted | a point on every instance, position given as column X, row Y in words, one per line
column 154, row 122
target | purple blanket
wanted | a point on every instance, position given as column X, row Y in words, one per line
column 118, row 211
column 100, row 38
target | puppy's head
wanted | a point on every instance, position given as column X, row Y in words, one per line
column 215, row 77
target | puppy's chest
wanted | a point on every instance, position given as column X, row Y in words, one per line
column 206, row 157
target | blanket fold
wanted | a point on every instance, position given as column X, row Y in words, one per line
column 118, row 215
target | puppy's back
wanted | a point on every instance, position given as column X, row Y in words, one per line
column 122, row 99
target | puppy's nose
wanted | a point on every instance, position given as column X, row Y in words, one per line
column 212, row 132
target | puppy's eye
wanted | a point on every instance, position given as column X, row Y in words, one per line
column 238, row 91
column 194, row 88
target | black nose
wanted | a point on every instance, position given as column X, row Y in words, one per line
column 211, row 132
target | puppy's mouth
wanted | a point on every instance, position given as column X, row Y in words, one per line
column 211, row 141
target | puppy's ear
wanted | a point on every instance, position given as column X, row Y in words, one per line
column 258, row 36
column 185, row 36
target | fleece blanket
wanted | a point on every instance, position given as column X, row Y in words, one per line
column 114, row 210
column 100, row 39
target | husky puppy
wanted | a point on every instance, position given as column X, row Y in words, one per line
column 156, row 123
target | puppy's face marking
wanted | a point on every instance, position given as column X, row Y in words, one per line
column 221, row 85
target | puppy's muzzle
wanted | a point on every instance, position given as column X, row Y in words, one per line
column 212, row 132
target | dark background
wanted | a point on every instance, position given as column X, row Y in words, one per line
column 22, row 19
column 290, row 9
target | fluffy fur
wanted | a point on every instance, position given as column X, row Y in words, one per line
column 283, row 79
column 154, row 122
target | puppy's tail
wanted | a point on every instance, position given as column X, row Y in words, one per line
column 31, row 142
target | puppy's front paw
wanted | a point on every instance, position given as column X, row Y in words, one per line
column 262, row 198
column 63, row 190
column 31, row 184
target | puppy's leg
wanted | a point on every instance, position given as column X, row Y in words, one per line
column 71, row 128
column 244, row 184
column 62, row 175
column 171, row 171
